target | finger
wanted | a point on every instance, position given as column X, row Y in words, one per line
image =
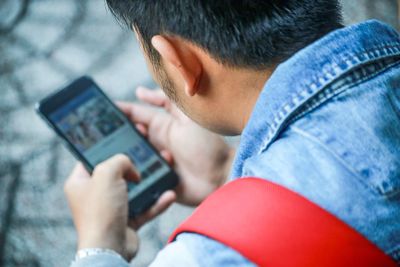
column 132, row 243
column 151, row 96
column 142, row 129
column 116, row 167
column 163, row 203
column 125, row 107
column 167, row 156
column 138, row 113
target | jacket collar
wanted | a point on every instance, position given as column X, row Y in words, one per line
column 307, row 73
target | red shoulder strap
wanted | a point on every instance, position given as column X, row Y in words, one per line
column 273, row 226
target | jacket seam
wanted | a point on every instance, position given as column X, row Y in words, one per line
column 313, row 88
column 330, row 93
column 318, row 142
column 393, row 106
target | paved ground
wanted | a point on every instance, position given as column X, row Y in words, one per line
column 43, row 45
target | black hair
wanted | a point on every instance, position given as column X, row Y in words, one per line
column 241, row 33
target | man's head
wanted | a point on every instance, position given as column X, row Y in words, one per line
column 213, row 56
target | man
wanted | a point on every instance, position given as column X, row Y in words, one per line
column 317, row 107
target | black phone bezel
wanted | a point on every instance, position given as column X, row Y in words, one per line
column 145, row 198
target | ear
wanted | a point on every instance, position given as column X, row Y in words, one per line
column 181, row 56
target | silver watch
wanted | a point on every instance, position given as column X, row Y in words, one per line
column 87, row 252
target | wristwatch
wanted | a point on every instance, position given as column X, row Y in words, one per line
column 87, row 252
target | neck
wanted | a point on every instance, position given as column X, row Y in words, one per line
column 243, row 91
column 228, row 95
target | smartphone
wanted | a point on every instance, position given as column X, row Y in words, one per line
column 94, row 129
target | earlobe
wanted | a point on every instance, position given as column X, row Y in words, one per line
column 191, row 83
column 189, row 90
column 180, row 55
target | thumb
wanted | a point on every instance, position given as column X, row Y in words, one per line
column 78, row 177
column 116, row 167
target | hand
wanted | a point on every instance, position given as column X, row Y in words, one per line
column 202, row 159
column 99, row 206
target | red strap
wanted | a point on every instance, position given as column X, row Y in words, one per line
column 273, row 226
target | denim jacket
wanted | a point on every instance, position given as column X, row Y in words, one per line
column 327, row 126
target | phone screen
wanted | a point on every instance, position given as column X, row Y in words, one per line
column 98, row 131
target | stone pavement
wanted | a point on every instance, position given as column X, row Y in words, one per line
column 43, row 45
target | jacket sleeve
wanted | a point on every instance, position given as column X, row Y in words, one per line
column 188, row 250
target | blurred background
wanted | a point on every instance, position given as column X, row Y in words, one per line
column 43, row 45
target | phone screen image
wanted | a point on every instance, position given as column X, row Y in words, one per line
column 98, row 131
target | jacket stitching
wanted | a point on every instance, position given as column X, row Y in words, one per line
column 316, row 104
column 332, row 92
column 315, row 140
column 312, row 89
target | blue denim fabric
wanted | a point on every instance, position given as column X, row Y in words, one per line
column 327, row 125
